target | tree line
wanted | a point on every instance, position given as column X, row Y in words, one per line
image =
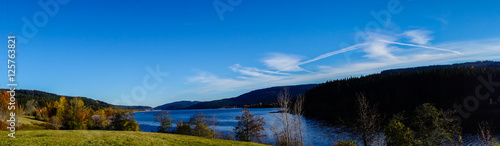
column 406, row 90
column 74, row 114
column 44, row 98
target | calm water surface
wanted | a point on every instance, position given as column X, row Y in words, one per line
column 317, row 132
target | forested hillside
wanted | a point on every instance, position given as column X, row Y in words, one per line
column 22, row 96
column 404, row 89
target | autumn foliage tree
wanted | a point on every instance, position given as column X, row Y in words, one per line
column 4, row 101
column 123, row 120
column 5, row 110
column 102, row 118
column 73, row 114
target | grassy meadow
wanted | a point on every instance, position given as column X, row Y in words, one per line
column 101, row 137
column 33, row 134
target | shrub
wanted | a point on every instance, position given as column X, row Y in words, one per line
column 183, row 128
column 397, row 134
column 3, row 125
column 433, row 126
column 346, row 143
column 494, row 142
column 226, row 136
column 427, row 126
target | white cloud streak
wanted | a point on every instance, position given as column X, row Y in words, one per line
column 419, row 36
column 381, row 53
column 283, row 62
column 420, row 46
column 350, row 48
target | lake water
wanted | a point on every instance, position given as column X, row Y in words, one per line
column 317, row 132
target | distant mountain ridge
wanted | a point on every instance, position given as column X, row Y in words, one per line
column 135, row 107
column 176, row 105
column 256, row 98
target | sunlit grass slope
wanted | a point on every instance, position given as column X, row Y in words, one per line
column 101, row 137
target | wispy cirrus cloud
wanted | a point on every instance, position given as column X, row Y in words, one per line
column 253, row 71
column 419, row 36
column 376, row 49
column 379, row 52
column 283, row 62
column 420, row 46
column 346, row 49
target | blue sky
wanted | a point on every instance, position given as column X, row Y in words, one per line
column 103, row 49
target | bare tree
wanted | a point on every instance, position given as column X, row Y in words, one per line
column 288, row 128
column 367, row 124
column 297, row 119
column 31, row 106
column 485, row 133
column 214, row 131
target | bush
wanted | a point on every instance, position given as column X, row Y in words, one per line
column 346, row 143
column 433, row 126
column 183, row 128
column 3, row 125
column 494, row 142
column 397, row 134
column 427, row 126
column 226, row 136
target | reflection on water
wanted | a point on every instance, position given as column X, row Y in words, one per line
column 317, row 132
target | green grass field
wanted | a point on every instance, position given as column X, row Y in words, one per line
column 101, row 137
